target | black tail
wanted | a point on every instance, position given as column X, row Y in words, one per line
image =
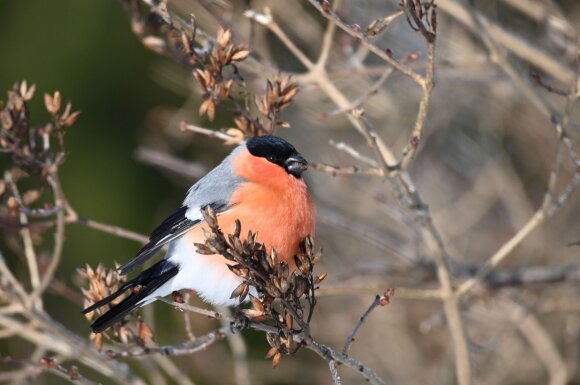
column 148, row 281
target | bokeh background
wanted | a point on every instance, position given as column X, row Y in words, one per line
column 482, row 168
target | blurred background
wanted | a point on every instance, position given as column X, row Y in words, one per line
column 482, row 167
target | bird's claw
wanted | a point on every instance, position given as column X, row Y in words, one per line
column 240, row 321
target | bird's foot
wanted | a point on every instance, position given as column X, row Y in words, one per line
column 240, row 321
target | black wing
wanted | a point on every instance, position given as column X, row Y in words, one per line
column 148, row 281
column 171, row 228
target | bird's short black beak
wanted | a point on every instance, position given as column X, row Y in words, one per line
column 296, row 165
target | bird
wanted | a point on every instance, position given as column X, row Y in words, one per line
column 260, row 183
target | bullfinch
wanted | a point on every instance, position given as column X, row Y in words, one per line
column 260, row 183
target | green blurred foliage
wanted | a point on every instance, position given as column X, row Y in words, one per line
column 86, row 50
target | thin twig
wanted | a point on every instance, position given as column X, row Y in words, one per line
column 73, row 217
column 29, row 252
column 185, row 348
column 44, row 332
column 402, row 292
column 327, row 39
column 332, row 355
column 187, row 319
column 345, row 170
column 57, row 249
column 547, row 209
column 209, row 133
column 239, row 351
column 50, row 365
column 267, row 20
column 7, row 276
column 195, row 309
column 172, row 370
column 361, row 101
column 524, row 49
column 359, row 36
column 333, row 367
column 165, row 161
column 417, row 134
column 351, row 337
column 539, row 340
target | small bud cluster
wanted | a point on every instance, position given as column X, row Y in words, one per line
column 215, row 64
column 286, row 291
column 422, row 17
column 102, row 282
column 33, row 154
column 30, row 147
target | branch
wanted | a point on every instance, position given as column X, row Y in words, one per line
column 185, row 348
column 50, row 365
column 539, row 340
column 360, row 37
column 514, row 43
column 166, row 161
column 417, row 134
column 207, row 132
column 73, row 217
column 378, row 301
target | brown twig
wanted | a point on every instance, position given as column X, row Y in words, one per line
column 186, row 348
column 48, row 364
column 378, row 301
column 359, row 36
column 413, row 143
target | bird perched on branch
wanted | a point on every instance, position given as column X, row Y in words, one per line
column 260, row 183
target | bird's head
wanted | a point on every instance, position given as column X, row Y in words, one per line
column 270, row 156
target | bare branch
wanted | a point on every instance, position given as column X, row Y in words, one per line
column 332, row 17
column 186, row 348
column 378, row 301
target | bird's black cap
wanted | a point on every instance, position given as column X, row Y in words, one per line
column 278, row 151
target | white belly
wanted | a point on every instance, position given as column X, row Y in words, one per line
column 208, row 275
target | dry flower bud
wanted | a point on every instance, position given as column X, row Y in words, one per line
column 97, row 339
column 71, row 119
column 48, row 362
column 30, row 196
column 186, row 44
column 276, row 359
column 208, row 106
column 319, row 278
column 154, row 43
column 145, row 333
column 177, row 297
column 26, row 92
column 241, row 291
column 413, row 56
column 74, row 373
column 6, row 119
column 271, row 352
column 224, row 36
column 12, row 203
column 240, row 55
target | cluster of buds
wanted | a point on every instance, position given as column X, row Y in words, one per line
column 214, row 64
column 102, row 282
column 30, row 147
column 422, row 17
column 286, row 291
column 216, row 88
column 33, row 153
column 278, row 96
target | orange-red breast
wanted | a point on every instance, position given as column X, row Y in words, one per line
column 260, row 183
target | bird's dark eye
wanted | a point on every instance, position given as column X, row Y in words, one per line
column 271, row 158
